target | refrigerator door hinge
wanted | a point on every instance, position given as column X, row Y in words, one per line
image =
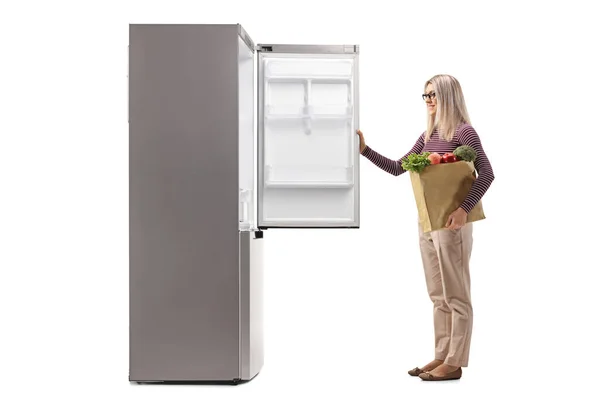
column 260, row 47
column 350, row 48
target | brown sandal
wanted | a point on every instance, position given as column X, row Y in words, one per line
column 426, row 376
column 416, row 371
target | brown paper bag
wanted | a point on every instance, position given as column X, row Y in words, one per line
column 440, row 189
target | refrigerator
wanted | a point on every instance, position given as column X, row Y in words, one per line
column 228, row 141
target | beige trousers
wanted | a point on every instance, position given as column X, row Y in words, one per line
column 446, row 255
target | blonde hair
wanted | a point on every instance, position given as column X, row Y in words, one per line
column 451, row 108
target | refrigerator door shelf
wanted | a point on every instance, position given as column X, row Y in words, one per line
column 307, row 147
column 245, row 209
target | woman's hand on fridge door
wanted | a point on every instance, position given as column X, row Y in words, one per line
column 362, row 140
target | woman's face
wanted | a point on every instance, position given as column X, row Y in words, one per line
column 430, row 100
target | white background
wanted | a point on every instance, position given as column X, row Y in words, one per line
column 347, row 312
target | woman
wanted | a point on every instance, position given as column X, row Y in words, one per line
column 446, row 252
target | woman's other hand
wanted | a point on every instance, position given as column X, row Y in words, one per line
column 457, row 219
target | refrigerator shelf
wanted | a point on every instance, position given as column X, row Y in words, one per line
column 308, row 112
column 309, row 79
column 307, row 117
column 309, row 66
column 286, row 115
column 304, row 97
column 308, row 185
column 311, row 219
column 316, row 176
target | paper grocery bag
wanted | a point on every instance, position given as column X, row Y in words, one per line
column 440, row 189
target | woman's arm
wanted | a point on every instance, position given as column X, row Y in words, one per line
column 468, row 136
column 393, row 167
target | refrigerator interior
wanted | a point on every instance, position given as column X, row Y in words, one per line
column 309, row 168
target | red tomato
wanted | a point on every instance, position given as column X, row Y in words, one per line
column 448, row 158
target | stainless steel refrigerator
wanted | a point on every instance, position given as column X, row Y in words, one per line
column 227, row 139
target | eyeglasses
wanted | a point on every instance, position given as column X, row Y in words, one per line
column 428, row 96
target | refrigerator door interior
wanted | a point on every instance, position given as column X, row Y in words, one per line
column 308, row 158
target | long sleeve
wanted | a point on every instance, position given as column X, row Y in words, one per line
column 393, row 167
column 468, row 136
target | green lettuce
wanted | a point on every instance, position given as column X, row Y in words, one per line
column 416, row 162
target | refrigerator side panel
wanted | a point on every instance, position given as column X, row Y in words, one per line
column 183, row 203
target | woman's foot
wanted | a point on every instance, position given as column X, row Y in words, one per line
column 442, row 372
column 442, row 369
column 416, row 371
column 432, row 365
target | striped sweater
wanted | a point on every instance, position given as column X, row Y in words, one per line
column 465, row 135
